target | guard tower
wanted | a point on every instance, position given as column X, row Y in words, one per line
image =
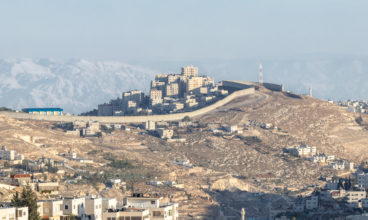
column 260, row 80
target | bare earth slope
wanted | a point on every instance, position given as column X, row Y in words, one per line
column 312, row 121
column 224, row 164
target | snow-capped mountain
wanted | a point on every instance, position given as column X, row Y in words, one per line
column 75, row 85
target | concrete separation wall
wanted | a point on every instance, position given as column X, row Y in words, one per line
column 237, row 84
column 244, row 85
column 274, row 87
column 132, row 119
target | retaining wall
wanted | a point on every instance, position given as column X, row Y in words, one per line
column 132, row 119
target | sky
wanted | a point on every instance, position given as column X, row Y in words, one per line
column 173, row 30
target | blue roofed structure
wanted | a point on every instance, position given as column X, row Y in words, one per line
column 44, row 111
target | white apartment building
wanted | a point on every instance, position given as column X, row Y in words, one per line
column 231, row 128
column 165, row 133
column 109, row 203
column 149, row 125
column 74, row 206
column 6, row 154
column 189, row 71
column 159, row 85
column 126, row 214
column 342, row 165
column 134, row 95
column 322, row 158
column 193, row 83
column 93, row 208
column 355, row 196
column 156, row 209
column 50, row 209
column 172, row 90
column 14, row 213
column 304, row 150
column 155, row 94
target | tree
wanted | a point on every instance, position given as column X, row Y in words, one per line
column 28, row 198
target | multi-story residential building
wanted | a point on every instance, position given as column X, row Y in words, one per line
column 162, row 77
column 135, row 96
column 104, row 109
column 193, row 83
column 156, row 209
column 189, row 71
column 174, row 78
column 362, row 179
column 6, row 154
column 303, row 150
column 48, row 187
column 14, row 213
column 165, row 133
column 166, row 86
column 21, row 179
column 74, row 206
column 93, row 208
column 126, row 213
column 108, row 203
column 159, row 85
column 231, row 128
column 364, row 203
column 155, row 94
column 94, row 126
column 311, row 202
column 342, row 165
column 322, row 158
column 149, row 125
column 50, row 209
column 355, row 196
column 172, row 90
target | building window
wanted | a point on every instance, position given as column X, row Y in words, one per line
column 153, row 202
column 66, row 207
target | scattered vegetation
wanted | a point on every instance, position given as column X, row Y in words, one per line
column 121, row 164
column 6, row 109
column 94, row 152
column 94, row 112
column 107, row 130
column 359, row 120
column 28, row 198
column 251, row 139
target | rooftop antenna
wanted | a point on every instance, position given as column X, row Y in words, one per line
column 260, row 80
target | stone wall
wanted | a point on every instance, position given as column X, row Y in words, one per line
column 132, row 119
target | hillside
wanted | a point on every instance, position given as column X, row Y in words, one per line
column 227, row 167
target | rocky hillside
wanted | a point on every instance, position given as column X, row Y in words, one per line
column 227, row 168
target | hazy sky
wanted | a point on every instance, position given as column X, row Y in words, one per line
column 180, row 30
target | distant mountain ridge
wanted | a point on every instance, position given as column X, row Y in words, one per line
column 75, row 85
